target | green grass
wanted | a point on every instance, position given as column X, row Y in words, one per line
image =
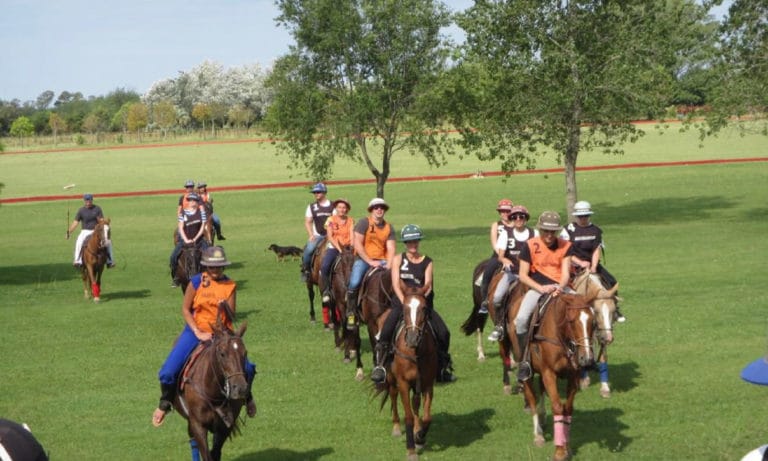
column 687, row 244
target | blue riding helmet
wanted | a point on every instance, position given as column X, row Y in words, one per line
column 88, row 197
column 319, row 187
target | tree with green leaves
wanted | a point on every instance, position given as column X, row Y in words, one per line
column 540, row 76
column 22, row 128
column 742, row 67
column 57, row 124
column 164, row 116
column 352, row 82
column 137, row 117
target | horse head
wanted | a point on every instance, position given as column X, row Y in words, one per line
column 603, row 302
column 414, row 316
column 580, row 323
column 103, row 232
column 229, row 357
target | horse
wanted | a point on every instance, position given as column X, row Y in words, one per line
column 475, row 323
column 560, row 346
column 95, row 256
column 375, row 300
column 188, row 264
column 604, row 307
column 412, row 373
column 313, row 279
column 213, row 389
column 343, row 337
column 208, row 233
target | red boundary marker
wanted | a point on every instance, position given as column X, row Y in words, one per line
column 283, row 185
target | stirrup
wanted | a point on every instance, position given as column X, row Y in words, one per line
column 483, row 308
column 496, row 334
column 523, row 371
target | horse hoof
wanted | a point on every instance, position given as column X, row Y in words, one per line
column 412, row 457
column 481, row 357
column 96, row 300
column 396, row 432
column 359, row 375
column 584, row 383
column 605, row 393
column 538, row 441
column 507, row 389
column 347, row 360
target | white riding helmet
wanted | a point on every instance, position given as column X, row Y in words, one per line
column 582, row 208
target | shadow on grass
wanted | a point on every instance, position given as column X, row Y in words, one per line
column 279, row 454
column 601, row 427
column 25, row 275
column 663, row 210
column 452, row 431
column 136, row 294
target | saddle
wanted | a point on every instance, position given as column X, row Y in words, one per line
column 366, row 281
column 184, row 375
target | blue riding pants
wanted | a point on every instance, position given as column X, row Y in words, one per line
column 184, row 346
column 325, row 266
column 359, row 268
column 309, row 248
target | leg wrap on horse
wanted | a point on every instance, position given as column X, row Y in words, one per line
column 167, row 393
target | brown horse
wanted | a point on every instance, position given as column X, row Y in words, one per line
column 412, row 373
column 188, row 264
column 559, row 348
column 213, row 390
column 604, row 307
column 343, row 338
column 375, row 299
column 313, row 279
column 95, row 255
column 208, row 233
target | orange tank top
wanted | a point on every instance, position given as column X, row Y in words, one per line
column 375, row 241
column 545, row 260
column 206, row 302
column 341, row 231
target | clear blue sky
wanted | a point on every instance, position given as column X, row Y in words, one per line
column 95, row 46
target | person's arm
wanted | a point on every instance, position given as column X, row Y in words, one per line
column 391, row 248
column 494, row 234
column 565, row 273
column 203, row 227
column 395, row 272
column 501, row 249
column 183, row 234
column 596, row 258
column 72, row 227
column 330, row 234
column 358, row 240
column 308, row 223
column 428, row 279
column 351, row 230
column 188, row 313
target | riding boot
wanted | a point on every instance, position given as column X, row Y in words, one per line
column 444, row 368
column 484, row 296
column 379, row 373
column 167, row 393
column 523, row 367
column 351, row 309
column 325, row 288
column 220, row 236
column 498, row 330
column 174, row 280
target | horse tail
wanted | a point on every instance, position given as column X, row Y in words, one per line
column 475, row 321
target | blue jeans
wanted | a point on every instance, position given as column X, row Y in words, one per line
column 325, row 266
column 184, row 346
column 359, row 268
column 309, row 248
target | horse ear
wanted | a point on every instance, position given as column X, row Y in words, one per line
column 241, row 330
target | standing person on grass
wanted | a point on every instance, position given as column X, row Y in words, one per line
column 200, row 309
column 87, row 217
column 587, row 241
column 314, row 222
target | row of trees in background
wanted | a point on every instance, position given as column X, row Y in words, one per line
column 205, row 97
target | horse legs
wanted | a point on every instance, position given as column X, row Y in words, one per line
column 480, row 350
column 96, row 285
column 560, row 413
column 311, row 295
column 200, row 434
column 218, row 443
column 393, row 393
column 426, row 420
column 602, row 368
column 86, row 282
column 538, row 416
column 410, row 444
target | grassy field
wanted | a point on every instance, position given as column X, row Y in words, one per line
column 685, row 242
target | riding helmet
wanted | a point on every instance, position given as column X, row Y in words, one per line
column 377, row 202
column 344, row 201
column 319, row 187
column 214, row 257
column 201, row 185
column 582, row 208
column 504, row 204
column 519, row 209
column 410, row 233
column 549, row 220
column 189, row 183
column 88, row 197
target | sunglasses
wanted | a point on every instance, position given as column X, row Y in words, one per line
column 378, row 207
column 519, row 216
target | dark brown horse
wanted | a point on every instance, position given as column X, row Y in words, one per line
column 208, row 233
column 95, row 255
column 559, row 348
column 604, row 307
column 375, row 301
column 188, row 264
column 213, row 390
column 345, row 339
column 412, row 373
column 475, row 323
column 313, row 279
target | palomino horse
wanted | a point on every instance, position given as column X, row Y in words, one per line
column 561, row 345
column 413, row 372
column 95, row 255
column 349, row 340
column 188, row 264
column 212, row 390
column 604, row 307
column 475, row 323
column 314, row 279
column 375, row 299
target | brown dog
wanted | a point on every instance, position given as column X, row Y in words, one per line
column 283, row 252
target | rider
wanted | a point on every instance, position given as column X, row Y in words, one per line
column 205, row 293
column 414, row 270
column 192, row 221
column 314, row 222
column 205, row 196
column 587, row 241
column 88, row 216
column 492, row 264
column 189, row 188
column 374, row 244
column 545, row 267
column 339, row 229
column 508, row 246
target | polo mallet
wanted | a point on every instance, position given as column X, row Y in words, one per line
column 68, row 187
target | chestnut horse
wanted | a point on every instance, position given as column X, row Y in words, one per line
column 413, row 372
column 604, row 307
column 95, row 255
column 343, row 338
column 560, row 346
column 213, row 390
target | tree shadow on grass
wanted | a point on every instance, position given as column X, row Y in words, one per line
column 663, row 210
column 38, row 273
column 452, row 431
column 602, row 427
column 280, row 454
